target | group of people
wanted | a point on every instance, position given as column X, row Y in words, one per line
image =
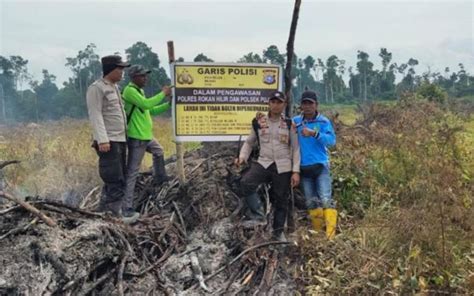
column 290, row 150
column 121, row 122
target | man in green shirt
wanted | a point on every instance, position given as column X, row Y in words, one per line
column 139, row 110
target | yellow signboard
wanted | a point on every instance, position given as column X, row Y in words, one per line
column 216, row 102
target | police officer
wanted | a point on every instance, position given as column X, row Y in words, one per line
column 278, row 163
column 108, row 122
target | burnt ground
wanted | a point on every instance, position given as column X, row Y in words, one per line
column 188, row 241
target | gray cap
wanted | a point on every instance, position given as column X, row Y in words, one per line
column 137, row 70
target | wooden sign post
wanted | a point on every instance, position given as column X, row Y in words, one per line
column 179, row 145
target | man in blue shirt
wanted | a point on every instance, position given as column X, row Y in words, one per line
column 315, row 135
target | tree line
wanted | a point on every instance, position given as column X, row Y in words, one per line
column 44, row 100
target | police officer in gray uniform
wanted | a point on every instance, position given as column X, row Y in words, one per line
column 109, row 125
column 278, row 163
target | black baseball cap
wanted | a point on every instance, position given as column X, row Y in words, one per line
column 309, row 95
column 114, row 60
column 278, row 95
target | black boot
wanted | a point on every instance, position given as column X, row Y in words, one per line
column 159, row 171
column 279, row 219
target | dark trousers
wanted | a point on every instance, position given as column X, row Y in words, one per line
column 112, row 170
column 279, row 194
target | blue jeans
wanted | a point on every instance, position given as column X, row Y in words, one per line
column 317, row 188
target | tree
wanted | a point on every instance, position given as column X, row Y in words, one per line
column 332, row 65
column 462, row 74
column 45, row 93
column 203, row 58
column 364, row 66
column 141, row 54
column 13, row 72
column 273, row 56
column 250, row 58
column 323, row 68
column 385, row 85
column 386, row 58
column 408, row 81
column 7, row 85
column 86, row 68
column 20, row 71
column 351, row 79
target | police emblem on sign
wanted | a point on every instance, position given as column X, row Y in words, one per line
column 269, row 76
column 185, row 78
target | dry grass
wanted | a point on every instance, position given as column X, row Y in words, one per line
column 405, row 193
column 57, row 157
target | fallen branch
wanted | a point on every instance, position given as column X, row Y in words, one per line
column 102, row 279
column 9, row 210
column 50, row 222
column 242, row 254
column 268, row 274
column 197, row 270
column 190, row 251
column 19, row 229
column 180, row 219
column 8, row 162
column 163, row 258
column 120, row 275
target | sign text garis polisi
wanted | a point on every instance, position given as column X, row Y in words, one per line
column 230, row 71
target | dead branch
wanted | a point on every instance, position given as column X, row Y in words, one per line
column 197, row 270
column 94, row 285
column 19, row 229
column 242, row 254
column 8, row 162
column 270, row 268
column 120, row 274
column 50, row 222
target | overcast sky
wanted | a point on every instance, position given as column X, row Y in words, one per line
column 438, row 34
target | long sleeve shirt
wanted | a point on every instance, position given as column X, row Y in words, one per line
column 106, row 113
column 278, row 144
column 314, row 149
column 140, row 123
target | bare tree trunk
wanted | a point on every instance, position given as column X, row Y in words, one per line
column 365, row 86
column 326, row 94
column 2, row 97
column 36, row 108
column 290, row 46
column 350, row 88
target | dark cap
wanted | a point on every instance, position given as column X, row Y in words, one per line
column 309, row 95
column 137, row 70
column 278, row 95
column 114, row 60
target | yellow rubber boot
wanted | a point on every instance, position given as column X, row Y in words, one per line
column 330, row 216
column 317, row 218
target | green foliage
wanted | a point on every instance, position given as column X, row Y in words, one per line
column 403, row 170
column 202, row 58
column 432, row 92
column 325, row 76
column 250, row 58
column 273, row 56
